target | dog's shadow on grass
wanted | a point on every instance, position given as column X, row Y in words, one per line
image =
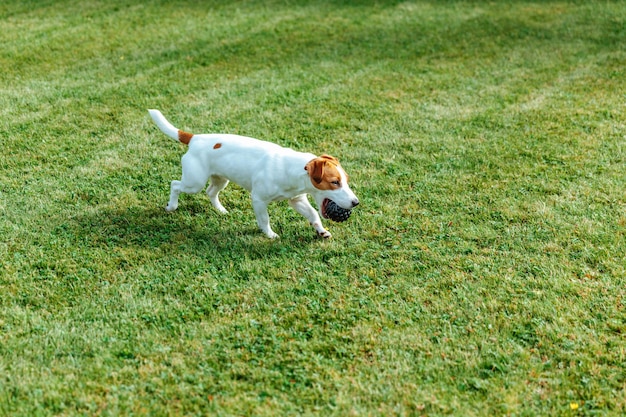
column 192, row 230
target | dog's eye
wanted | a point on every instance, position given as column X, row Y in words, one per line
column 337, row 183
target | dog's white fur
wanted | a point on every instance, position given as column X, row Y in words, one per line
column 269, row 171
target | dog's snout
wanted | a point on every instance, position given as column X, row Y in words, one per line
column 355, row 202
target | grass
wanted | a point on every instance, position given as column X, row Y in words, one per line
column 482, row 274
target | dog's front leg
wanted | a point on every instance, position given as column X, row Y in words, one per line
column 301, row 205
column 262, row 217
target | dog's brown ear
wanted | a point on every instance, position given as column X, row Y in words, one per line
column 315, row 167
column 330, row 157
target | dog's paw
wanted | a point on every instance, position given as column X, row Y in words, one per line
column 325, row 234
column 272, row 235
column 171, row 207
column 219, row 207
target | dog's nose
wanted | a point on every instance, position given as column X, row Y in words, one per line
column 355, row 202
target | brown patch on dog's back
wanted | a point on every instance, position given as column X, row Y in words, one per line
column 324, row 172
column 184, row 137
column 217, row 146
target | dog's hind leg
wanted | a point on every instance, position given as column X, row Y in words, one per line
column 193, row 181
column 217, row 185
column 175, row 190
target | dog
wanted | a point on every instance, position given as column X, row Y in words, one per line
column 268, row 171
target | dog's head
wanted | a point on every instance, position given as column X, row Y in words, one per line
column 330, row 182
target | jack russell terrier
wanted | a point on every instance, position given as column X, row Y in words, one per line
column 269, row 171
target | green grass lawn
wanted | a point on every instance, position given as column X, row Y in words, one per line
column 483, row 273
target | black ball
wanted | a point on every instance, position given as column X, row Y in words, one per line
column 336, row 213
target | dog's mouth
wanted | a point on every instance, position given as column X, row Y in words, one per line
column 324, row 208
column 331, row 210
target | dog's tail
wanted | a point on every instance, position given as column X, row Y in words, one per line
column 167, row 128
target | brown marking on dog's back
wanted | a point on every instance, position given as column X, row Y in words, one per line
column 184, row 137
column 217, row 146
column 324, row 172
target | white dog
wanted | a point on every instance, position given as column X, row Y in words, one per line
column 269, row 171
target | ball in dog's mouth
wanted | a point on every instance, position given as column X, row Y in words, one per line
column 332, row 211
